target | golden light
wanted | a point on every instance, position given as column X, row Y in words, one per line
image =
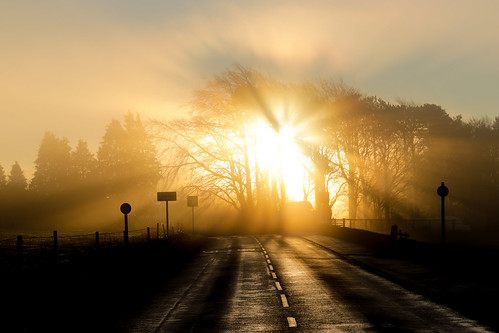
column 277, row 152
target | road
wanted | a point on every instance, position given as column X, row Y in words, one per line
column 277, row 283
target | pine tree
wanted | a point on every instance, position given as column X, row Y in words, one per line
column 83, row 163
column 127, row 160
column 17, row 181
column 53, row 165
column 3, row 179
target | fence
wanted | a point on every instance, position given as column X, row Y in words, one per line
column 56, row 242
column 418, row 229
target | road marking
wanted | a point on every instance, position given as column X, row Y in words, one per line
column 274, row 276
column 284, row 301
column 267, row 256
column 292, row 322
column 268, row 261
column 271, row 267
column 278, row 285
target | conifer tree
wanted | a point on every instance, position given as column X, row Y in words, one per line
column 53, row 165
column 17, row 181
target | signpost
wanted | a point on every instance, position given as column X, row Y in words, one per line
column 443, row 191
column 167, row 196
column 192, row 201
column 125, row 209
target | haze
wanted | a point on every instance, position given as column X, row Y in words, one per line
column 72, row 67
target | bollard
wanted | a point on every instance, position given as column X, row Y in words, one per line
column 96, row 239
column 148, row 234
column 157, row 230
column 55, row 241
column 164, row 231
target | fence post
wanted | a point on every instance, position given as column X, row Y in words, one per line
column 157, row 230
column 19, row 245
column 148, row 234
column 55, row 241
column 96, row 239
column 343, row 223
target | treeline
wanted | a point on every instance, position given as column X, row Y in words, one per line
column 366, row 158
column 76, row 189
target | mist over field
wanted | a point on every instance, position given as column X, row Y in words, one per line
column 277, row 115
column 265, row 155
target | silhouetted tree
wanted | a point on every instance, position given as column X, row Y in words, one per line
column 52, row 165
column 3, row 179
column 127, row 163
column 17, row 182
column 83, row 163
column 216, row 148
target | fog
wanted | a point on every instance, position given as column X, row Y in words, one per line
column 70, row 68
column 360, row 157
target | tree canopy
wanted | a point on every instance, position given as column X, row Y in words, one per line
column 364, row 157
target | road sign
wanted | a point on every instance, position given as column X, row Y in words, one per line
column 442, row 190
column 167, row 196
column 126, row 208
column 192, row 201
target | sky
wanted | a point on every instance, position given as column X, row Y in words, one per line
column 71, row 66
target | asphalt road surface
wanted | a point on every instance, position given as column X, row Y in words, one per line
column 277, row 283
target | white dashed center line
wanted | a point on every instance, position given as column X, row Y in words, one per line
column 284, row 300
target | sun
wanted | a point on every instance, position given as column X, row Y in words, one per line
column 278, row 153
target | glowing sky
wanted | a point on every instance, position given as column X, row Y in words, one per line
column 71, row 66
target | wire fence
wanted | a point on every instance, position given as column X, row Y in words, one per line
column 63, row 242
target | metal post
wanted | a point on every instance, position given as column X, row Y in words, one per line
column 96, row 239
column 167, row 222
column 443, row 191
column 126, row 230
column 193, row 220
column 148, row 234
column 157, row 230
column 443, row 220
column 125, row 209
